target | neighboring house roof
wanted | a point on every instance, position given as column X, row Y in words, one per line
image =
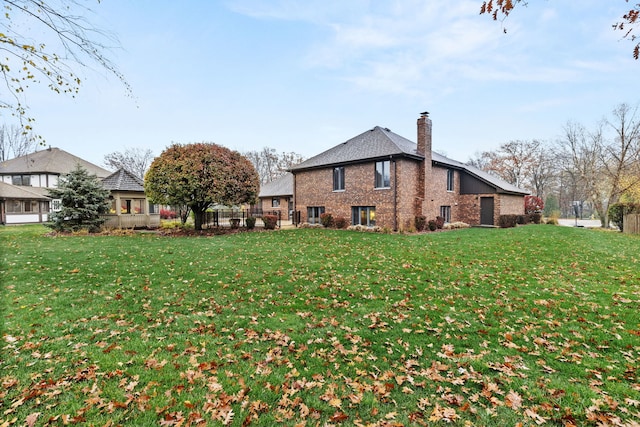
column 9, row 191
column 282, row 186
column 50, row 160
column 123, row 180
column 372, row 144
column 379, row 143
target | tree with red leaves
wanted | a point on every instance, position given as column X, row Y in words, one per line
column 199, row 176
column 533, row 204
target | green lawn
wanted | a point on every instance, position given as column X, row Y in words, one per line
column 538, row 325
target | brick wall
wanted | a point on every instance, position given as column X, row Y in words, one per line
column 266, row 204
column 315, row 188
column 511, row 205
column 437, row 194
column 468, row 209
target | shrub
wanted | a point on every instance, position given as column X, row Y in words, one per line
column 341, row 222
column 522, row 219
column 439, row 222
column 433, row 226
column 533, row 204
column 536, row 218
column 270, row 221
column 420, row 222
column 251, row 222
column 168, row 214
column 326, row 219
column 617, row 211
column 552, row 221
column 507, row 221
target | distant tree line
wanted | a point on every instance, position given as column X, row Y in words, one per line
column 15, row 142
column 270, row 164
column 594, row 167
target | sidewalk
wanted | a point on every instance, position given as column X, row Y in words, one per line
column 586, row 223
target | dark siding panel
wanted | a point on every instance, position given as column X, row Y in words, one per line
column 471, row 185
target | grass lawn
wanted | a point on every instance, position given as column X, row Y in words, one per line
column 537, row 325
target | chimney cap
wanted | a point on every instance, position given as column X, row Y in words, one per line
column 425, row 114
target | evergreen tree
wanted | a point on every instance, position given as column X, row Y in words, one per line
column 83, row 198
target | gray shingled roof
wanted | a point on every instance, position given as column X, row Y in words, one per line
column 123, row 180
column 372, row 144
column 9, row 191
column 381, row 142
column 50, row 160
column 282, row 186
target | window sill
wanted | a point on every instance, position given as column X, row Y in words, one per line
column 382, row 188
column 339, row 191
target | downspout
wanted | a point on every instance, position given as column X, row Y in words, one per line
column 395, row 193
column 295, row 202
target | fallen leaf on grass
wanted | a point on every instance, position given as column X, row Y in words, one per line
column 31, row 419
column 513, row 400
column 537, row 418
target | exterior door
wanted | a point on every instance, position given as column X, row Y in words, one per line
column 486, row 211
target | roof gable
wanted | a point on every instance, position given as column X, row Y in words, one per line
column 50, row 160
column 372, row 144
column 123, row 180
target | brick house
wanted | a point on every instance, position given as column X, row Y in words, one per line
column 277, row 196
column 379, row 178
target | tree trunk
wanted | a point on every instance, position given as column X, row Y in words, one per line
column 198, row 216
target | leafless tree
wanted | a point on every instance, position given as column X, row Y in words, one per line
column 604, row 162
column 271, row 165
column 72, row 43
column 525, row 164
column 14, row 142
column 135, row 160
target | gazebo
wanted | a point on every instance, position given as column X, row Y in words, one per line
column 130, row 207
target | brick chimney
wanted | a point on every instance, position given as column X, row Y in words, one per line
column 424, row 135
column 424, row 176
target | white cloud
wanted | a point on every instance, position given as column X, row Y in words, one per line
column 413, row 47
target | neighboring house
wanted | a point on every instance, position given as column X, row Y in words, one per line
column 32, row 175
column 44, row 167
column 379, row 178
column 277, row 196
column 19, row 205
column 130, row 207
column 27, row 179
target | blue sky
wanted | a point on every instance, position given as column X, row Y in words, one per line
column 304, row 76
